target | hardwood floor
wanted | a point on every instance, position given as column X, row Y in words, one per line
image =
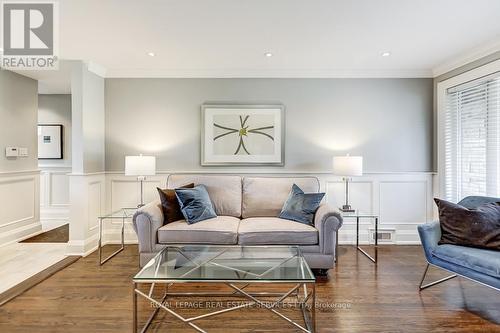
column 57, row 235
column 36, row 279
column 358, row 297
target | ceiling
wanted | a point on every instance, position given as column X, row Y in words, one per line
column 315, row 38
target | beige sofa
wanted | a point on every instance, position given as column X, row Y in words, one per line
column 247, row 209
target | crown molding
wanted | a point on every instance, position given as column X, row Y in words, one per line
column 266, row 73
column 467, row 57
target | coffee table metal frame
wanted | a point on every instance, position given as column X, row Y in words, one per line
column 123, row 214
column 303, row 290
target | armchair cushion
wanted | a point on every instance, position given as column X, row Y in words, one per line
column 480, row 260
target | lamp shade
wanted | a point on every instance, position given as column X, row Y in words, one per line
column 348, row 165
column 140, row 165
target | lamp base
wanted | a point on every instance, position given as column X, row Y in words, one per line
column 347, row 209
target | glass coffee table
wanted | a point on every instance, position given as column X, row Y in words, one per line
column 236, row 268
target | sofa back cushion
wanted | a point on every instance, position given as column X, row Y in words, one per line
column 265, row 196
column 224, row 190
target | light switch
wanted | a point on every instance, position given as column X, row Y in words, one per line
column 11, row 152
column 23, row 152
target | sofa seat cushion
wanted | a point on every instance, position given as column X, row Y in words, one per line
column 479, row 260
column 275, row 231
column 217, row 230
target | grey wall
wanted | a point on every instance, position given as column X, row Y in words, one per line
column 56, row 109
column 18, row 120
column 388, row 121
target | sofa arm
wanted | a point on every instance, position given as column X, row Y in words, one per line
column 430, row 234
column 328, row 221
column 147, row 220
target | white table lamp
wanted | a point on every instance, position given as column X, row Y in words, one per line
column 140, row 166
column 347, row 166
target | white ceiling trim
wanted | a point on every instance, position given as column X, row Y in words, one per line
column 466, row 58
column 267, row 73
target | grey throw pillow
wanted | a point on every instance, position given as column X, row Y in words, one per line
column 195, row 204
column 300, row 206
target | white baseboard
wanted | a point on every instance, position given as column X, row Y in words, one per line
column 53, row 223
column 21, row 233
column 82, row 248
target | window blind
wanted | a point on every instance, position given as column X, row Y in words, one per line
column 472, row 139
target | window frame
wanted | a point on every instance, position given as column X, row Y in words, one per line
column 442, row 87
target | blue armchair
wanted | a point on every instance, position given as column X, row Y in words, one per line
column 479, row 265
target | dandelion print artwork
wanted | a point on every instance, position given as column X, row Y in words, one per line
column 246, row 135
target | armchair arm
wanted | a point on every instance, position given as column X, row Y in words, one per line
column 328, row 221
column 430, row 234
column 147, row 220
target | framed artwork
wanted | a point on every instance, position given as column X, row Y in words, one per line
column 50, row 142
column 243, row 135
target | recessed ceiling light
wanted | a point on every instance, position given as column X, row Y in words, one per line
column 151, row 54
column 268, row 54
column 385, row 54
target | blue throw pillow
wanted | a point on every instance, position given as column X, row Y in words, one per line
column 300, row 206
column 195, row 204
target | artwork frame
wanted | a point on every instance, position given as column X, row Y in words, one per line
column 236, row 126
column 50, row 142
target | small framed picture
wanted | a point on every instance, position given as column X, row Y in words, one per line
column 242, row 135
column 50, row 142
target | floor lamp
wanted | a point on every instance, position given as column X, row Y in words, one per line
column 347, row 166
column 140, row 166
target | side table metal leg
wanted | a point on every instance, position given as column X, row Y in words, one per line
column 376, row 239
column 123, row 233
column 134, row 308
column 357, row 231
column 357, row 240
column 122, row 247
column 99, row 245
column 313, row 308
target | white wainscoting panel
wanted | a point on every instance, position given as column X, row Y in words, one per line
column 20, row 213
column 403, row 202
column 95, row 210
column 125, row 192
column 59, row 185
column 360, row 194
column 54, row 196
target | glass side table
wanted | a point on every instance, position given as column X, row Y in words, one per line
column 123, row 214
column 360, row 215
